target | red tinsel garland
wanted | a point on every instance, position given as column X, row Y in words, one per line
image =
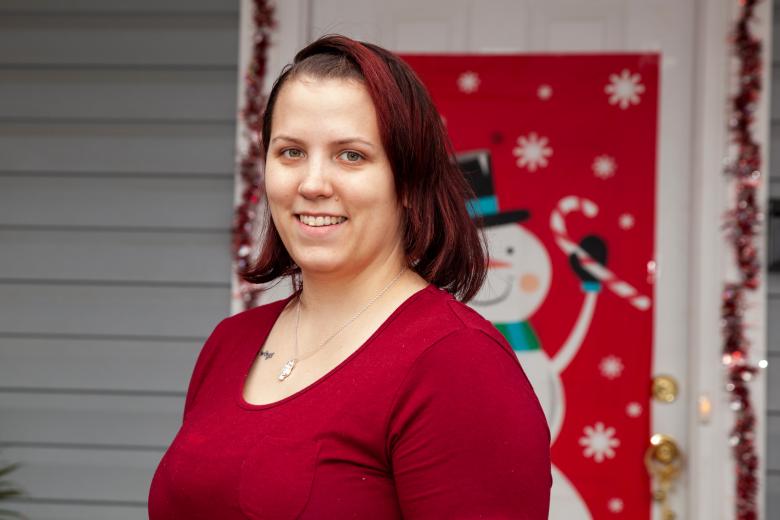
column 251, row 162
column 742, row 224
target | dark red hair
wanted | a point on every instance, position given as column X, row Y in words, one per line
column 442, row 243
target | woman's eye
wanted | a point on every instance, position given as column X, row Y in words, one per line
column 292, row 153
column 351, row 156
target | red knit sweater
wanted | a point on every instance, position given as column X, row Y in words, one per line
column 432, row 417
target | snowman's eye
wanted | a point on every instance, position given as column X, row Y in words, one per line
column 510, row 250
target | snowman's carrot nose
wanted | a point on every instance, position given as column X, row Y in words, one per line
column 497, row 264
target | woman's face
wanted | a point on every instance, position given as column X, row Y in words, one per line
column 328, row 181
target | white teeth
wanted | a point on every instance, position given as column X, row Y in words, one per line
column 320, row 220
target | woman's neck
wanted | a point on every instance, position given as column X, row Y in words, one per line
column 336, row 294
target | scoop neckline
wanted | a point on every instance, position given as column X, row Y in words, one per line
column 247, row 365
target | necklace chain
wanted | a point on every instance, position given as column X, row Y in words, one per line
column 288, row 367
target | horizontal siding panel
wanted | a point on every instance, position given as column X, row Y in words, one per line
column 103, row 421
column 162, row 39
column 116, row 256
column 83, row 511
column 109, row 310
column 773, row 280
column 121, row 6
column 775, row 39
column 774, row 135
column 773, row 492
column 85, row 363
column 773, row 442
column 118, row 94
column 196, row 257
column 107, row 149
column 80, row 474
column 117, row 202
column 774, row 104
column 773, row 382
column 773, row 324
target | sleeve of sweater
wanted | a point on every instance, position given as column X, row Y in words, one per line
column 467, row 437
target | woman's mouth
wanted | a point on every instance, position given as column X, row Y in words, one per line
column 320, row 220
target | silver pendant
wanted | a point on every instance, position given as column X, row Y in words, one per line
column 286, row 370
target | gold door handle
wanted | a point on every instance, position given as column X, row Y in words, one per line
column 664, row 389
column 664, row 463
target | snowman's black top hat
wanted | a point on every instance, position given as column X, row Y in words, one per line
column 476, row 167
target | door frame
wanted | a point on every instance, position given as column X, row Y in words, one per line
column 710, row 468
column 709, row 465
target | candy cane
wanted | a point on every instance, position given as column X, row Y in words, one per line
column 604, row 275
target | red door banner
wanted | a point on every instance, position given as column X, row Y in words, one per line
column 561, row 152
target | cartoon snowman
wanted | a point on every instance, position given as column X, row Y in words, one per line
column 519, row 277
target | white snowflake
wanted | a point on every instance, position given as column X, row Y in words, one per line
column 624, row 89
column 626, row 221
column 532, row 151
column 611, row 367
column 599, row 442
column 634, row 409
column 604, row 166
column 468, row 82
column 615, row 505
column 544, row 92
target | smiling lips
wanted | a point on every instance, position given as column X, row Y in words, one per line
column 320, row 220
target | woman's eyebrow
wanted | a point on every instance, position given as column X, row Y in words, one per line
column 286, row 138
column 345, row 140
column 355, row 140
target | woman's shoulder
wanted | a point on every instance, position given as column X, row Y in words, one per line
column 466, row 365
column 455, row 317
column 256, row 316
column 438, row 321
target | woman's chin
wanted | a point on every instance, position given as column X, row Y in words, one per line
column 321, row 266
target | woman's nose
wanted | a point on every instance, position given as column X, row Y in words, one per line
column 316, row 180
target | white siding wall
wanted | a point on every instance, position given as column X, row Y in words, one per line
column 773, row 307
column 117, row 128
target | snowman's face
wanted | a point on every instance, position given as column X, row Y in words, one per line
column 519, row 275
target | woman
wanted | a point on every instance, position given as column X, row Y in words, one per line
column 371, row 392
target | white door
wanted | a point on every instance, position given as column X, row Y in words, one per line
column 564, row 26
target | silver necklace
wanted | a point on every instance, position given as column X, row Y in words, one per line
column 287, row 368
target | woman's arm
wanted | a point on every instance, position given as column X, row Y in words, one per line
column 467, row 437
column 205, row 358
